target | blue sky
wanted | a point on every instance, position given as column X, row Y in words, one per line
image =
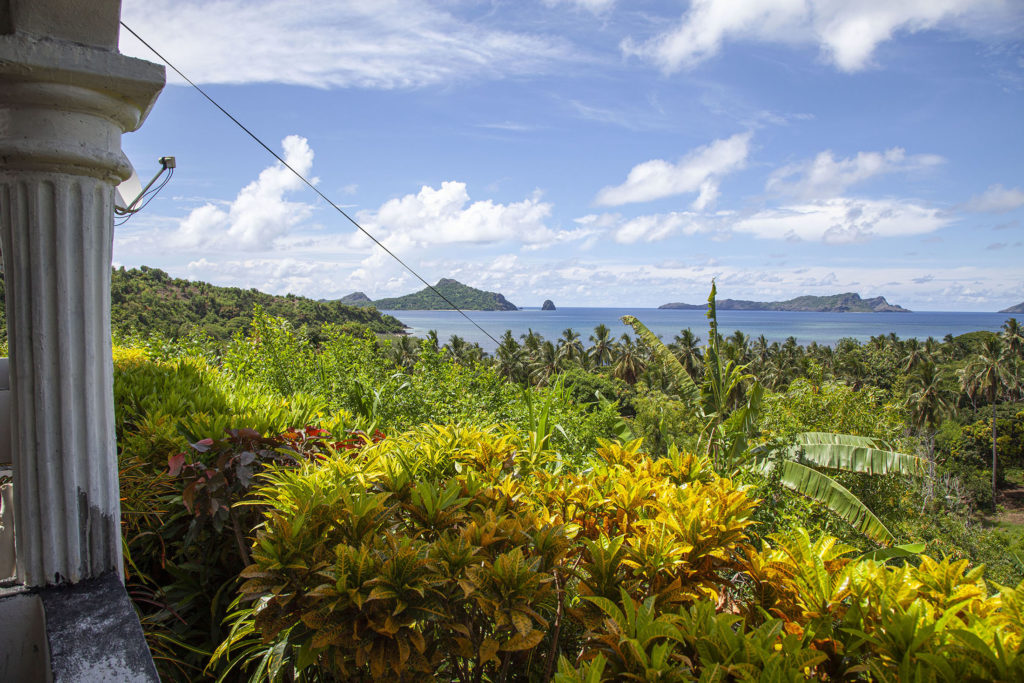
column 594, row 152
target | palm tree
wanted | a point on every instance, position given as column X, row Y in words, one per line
column 737, row 347
column 404, row 351
column 601, row 349
column 531, row 342
column 687, row 349
column 457, row 349
column 569, row 345
column 729, row 430
column 928, row 401
column 761, row 350
column 546, row 363
column 914, row 355
column 628, row 361
column 989, row 374
column 433, row 343
column 1013, row 336
column 509, row 358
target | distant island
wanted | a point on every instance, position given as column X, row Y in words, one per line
column 549, row 305
column 465, row 297
column 848, row 302
column 1019, row 308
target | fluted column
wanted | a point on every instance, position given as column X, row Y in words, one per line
column 63, row 108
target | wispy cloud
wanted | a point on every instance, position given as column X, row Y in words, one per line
column 381, row 44
column 509, row 126
column 843, row 220
column 657, row 227
column 997, row 199
column 595, row 6
column 847, row 33
column 826, row 176
column 699, row 171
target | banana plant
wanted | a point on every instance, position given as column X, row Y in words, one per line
column 730, row 425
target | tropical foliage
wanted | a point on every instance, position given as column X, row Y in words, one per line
column 327, row 506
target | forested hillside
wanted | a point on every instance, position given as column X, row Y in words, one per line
column 149, row 300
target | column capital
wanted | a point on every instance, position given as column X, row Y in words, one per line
column 63, row 106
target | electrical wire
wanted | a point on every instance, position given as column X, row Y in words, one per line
column 308, row 183
column 149, row 196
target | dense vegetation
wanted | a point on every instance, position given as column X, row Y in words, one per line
column 149, row 300
column 314, row 502
column 465, row 297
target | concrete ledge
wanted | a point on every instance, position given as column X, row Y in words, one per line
column 94, row 634
column 23, row 652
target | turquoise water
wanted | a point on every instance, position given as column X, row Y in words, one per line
column 824, row 328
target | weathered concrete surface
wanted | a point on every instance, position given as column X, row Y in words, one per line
column 23, row 654
column 90, row 22
column 93, row 633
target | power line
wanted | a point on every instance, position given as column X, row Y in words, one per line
column 308, row 183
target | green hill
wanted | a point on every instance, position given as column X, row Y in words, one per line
column 149, row 300
column 465, row 297
column 356, row 299
column 848, row 302
column 1019, row 308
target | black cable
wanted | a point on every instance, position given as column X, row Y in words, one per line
column 148, row 196
column 311, row 186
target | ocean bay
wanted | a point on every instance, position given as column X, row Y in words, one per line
column 823, row 328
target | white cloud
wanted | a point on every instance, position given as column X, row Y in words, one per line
column 259, row 214
column 446, row 215
column 351, row 43
column 846, row 31
column 997, row 199
column 575, row 282
column 276, row 275
column 657, row 227
column 699, row 171
column 843, row 220
column 825, row 176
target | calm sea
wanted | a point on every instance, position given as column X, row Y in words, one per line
column 824, row 328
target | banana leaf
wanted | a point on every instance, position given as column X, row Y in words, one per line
column 688, row 390
column 820, row 487
column 847, row 453
column 886, row 554
column 850, row 439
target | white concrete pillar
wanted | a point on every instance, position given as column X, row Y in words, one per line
column 63, row 108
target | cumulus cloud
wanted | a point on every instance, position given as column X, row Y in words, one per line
column 826, row 176
column 446, row 215
column 846, row 32
column 260, row 213
column 699, row 171
column 843, row 220
column 997, row 199
column 350, row 43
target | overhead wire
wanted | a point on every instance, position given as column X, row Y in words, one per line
column 145, row 198
column 311, row 186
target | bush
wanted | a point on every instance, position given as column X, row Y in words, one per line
column 444, row 553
